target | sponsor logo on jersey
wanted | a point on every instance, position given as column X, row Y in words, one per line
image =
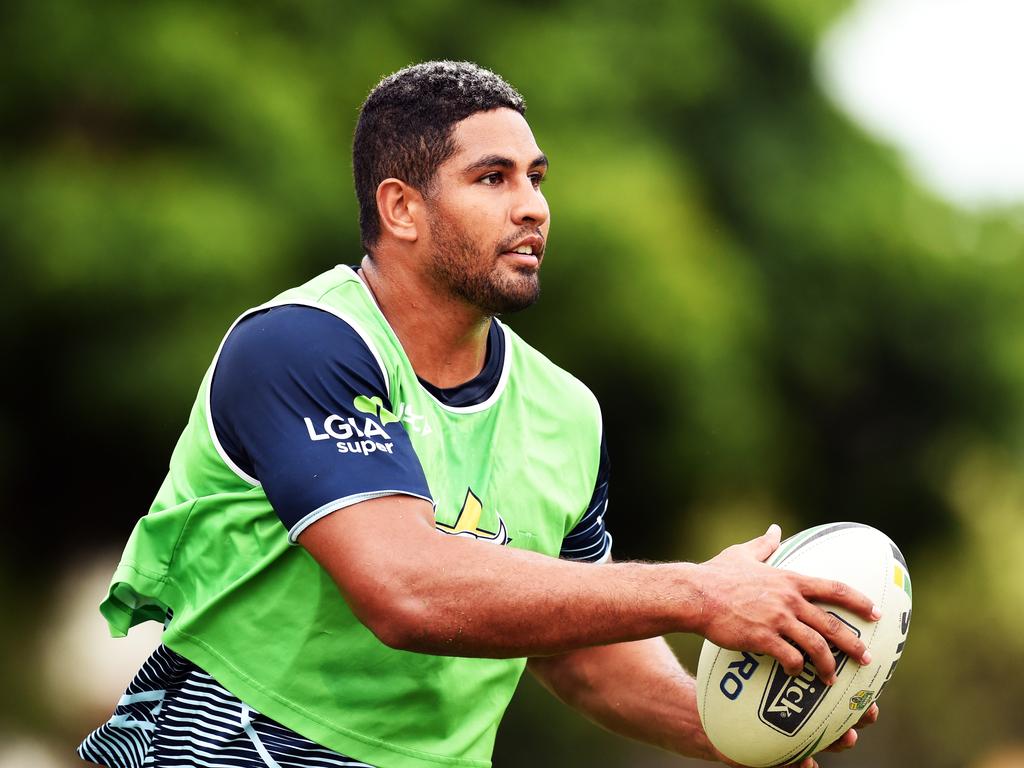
column 416, row 422
column 366, row 435
column 375, row 407
column 788, row 702
column 468, row 522
column 354, row 435
column 404, row 414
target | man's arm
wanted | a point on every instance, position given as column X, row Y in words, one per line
column 640, row 690
column 636, row 689
column 421, row 591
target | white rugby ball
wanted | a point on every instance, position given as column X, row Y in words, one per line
column 756, row 714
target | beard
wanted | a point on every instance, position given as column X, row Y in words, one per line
column 477, row 277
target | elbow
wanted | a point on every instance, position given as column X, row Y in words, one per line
column 398, row 621
column 398, row 632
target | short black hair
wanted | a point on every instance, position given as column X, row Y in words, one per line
column 406, row 123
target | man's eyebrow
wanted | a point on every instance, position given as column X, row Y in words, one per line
column 500, row 161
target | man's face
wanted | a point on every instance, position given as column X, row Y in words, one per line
column 488, row 219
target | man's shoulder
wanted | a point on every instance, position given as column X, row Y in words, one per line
column 319, row 288
column 326, row 318
column 296, row 330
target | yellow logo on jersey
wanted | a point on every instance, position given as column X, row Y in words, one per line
column 468, row 522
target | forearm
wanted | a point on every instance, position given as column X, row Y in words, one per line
column 514, row 603
column 420, row 590
column 453, row 596
column 637, row 689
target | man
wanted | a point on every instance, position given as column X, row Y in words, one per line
column 370, row 410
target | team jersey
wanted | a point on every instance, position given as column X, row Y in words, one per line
column 298, row 359
column 519, row 468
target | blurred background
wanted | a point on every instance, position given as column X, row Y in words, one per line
column 792, row 229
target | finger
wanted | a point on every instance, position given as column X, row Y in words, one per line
column 809, row 762
column 817, row 650
column 869, row 717
column 838, row 593
column 763, row 546
column 790, row 658
column 836, row 632
column 844, row 742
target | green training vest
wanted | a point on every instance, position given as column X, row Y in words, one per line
column 263, row 618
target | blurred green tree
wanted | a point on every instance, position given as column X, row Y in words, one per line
column 777, row 321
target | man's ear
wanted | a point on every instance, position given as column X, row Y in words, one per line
column 400, row 209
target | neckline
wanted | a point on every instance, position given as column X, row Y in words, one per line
column 479, row 388
column 487, row 385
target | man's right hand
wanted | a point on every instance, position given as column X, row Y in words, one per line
column 750, row 606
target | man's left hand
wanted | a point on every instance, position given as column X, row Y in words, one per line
column 844, row 742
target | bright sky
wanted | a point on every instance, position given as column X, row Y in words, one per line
column 942, row 80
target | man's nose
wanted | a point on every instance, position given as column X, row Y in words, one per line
column 529, row 207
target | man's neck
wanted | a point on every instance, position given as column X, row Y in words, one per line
column 444, row 337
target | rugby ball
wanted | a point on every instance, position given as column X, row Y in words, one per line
column 755, row 713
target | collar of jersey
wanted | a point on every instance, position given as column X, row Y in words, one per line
column 502, row 374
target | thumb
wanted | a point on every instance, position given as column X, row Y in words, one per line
column 763, row 546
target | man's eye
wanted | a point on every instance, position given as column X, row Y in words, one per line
column 537, row 179
column 491, row 179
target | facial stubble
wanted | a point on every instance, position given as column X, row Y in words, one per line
column 467, row 272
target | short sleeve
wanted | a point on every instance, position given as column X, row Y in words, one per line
column 590, row 540
column 300, row 403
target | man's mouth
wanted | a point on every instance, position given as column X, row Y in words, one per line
column 527, row 252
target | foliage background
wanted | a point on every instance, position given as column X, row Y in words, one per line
column 780, row 324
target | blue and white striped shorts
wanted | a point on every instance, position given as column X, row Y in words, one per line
column 174, row 715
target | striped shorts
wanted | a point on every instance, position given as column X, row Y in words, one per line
column 174, row 715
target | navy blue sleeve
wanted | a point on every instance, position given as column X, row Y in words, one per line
column 300, row 404
column 589, row 540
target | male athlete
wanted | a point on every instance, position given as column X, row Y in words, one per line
column 385, row 504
